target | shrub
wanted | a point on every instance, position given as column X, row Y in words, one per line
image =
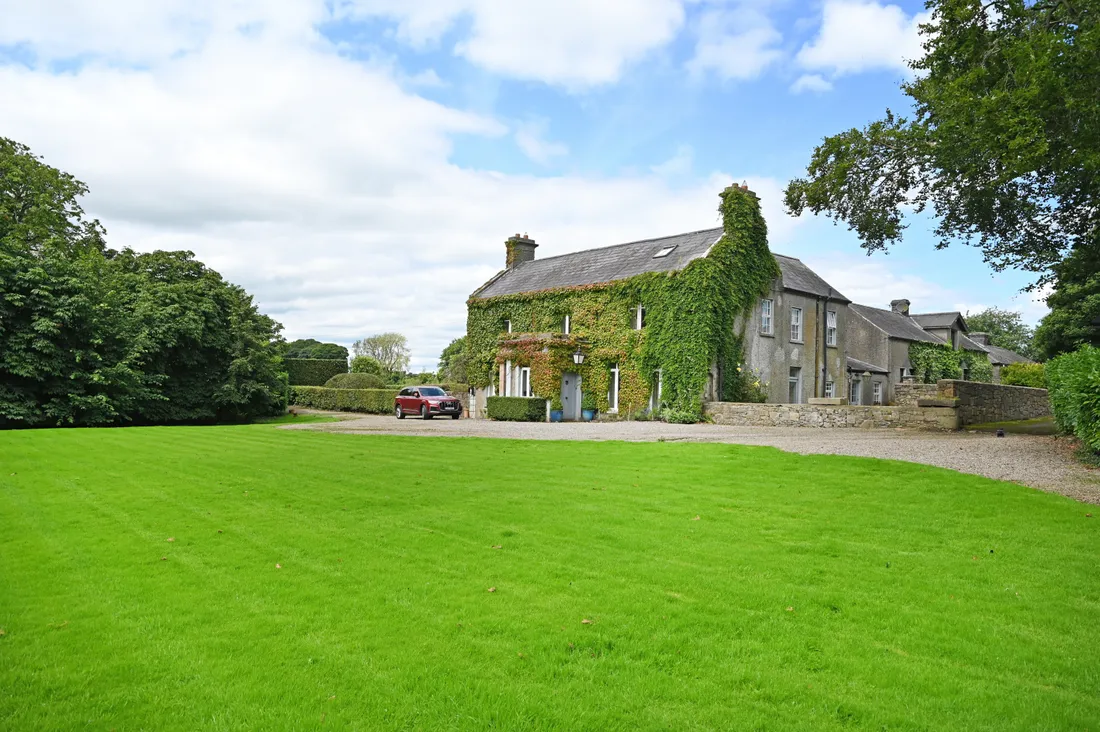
column 313, row 371
column 1024, row 374
column 1074, row 383
column 516, row 409
column 371, row 401
column 356, row 381
column 367, row 365
column 679, row 416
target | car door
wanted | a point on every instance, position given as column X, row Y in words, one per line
column 403, row 400
column 414, row 401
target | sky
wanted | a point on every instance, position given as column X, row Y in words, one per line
column 357, row 165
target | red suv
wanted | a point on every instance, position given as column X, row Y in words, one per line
column 427, row 401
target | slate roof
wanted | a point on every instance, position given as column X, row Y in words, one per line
column 854, row 364
column 895, row 325
column 939, row 320
column 621, row 261
column 971, row 345
column 1005, row 356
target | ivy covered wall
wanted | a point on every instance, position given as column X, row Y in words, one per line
column 931, row 362
column 690, row 324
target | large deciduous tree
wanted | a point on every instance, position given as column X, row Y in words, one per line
column 1003, row 145
column 92, row 336
column 452, row 362
column 1074, row 318
column 312, row 348
column 1006, row 329
column 389, row 349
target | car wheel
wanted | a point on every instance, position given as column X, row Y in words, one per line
column 398, row 411
column 455, row 416
column 424, row 412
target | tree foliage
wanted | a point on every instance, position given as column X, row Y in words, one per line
column 389, row 349
column 311, row 348
column 92, row 336
column 452, row 362
column 1003, row 145
column 1006, row 329
column 367, row 365
column 1074, row 318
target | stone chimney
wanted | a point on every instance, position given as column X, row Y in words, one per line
column 901, row 307
column 520, row 249
column 982, row 339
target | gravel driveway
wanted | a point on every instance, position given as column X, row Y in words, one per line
column 1045, row 463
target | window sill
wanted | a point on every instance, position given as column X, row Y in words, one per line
column 831, row 345
column 799, row 343
column 766, row 335
column 613, row 411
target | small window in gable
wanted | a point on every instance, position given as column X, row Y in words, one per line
column 664, row 252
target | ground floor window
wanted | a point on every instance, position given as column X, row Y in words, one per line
column 855, row 390
column 830, row 390
column 655, row 392
column 525, row 382
column 794, row 384
column 877, row 388
column 613, row 389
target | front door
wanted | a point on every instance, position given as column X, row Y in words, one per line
column 571, row 396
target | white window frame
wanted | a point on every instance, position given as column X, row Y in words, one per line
column 508, row 325
column 796, row 323
column 797, row 382
column 830, row 389
column 876, row 392
column 655, row 397
column 639, row 317
column 665, row 251
column 830, row 327
column 525, row 382
column 855, row 387
column 767, row 316
column 508, row 378
column 565, row 326
column 613, row 390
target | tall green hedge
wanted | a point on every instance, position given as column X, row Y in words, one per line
column 1074, row 383
column 356, row 381
column 371, row 401
column 1024, row 374
column 313, row 371
column 516, row 409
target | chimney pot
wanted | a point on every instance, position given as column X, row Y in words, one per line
column 901, row 307
column 982, row 339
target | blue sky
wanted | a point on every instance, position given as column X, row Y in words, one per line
column 357, row 164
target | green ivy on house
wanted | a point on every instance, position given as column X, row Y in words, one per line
column 930, row 362
column 691, row 322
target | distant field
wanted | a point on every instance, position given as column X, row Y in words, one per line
column 257, row 578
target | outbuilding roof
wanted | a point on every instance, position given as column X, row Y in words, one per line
column 622, row 261
column 854, row 364
column 1003, row 356
column 941, row 320
column 894, row 324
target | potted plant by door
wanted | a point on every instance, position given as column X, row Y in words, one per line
column 588, row 407
column 556, row 413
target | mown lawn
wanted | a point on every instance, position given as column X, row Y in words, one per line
column 257, row 578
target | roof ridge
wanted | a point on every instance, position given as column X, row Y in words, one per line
column 622, row 244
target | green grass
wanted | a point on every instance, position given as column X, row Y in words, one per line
column 813, row 592
column 1040, row 426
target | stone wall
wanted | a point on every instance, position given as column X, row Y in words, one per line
column 820, row 415
column 906, row 394
column 979, row 403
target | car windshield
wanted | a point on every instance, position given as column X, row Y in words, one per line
column 431, row 391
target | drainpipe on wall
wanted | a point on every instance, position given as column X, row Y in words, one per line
column 818, row 345
column 823, row 373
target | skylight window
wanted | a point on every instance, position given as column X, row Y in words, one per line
column 664, row 252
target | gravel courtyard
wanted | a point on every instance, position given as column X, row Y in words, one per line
column 1045, row 463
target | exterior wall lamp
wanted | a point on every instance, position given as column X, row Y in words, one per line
column 578, row 357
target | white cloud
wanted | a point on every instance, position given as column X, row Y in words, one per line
column 531, row 138
column 861, row 35
column 736, row 42
column 811, row 83
column 680, row 164
column 575, row 43
column 870, row 281
column 322, row 185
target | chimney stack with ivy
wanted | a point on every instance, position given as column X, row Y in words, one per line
column 520, row 249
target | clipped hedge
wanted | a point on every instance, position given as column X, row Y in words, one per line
column 1024, row 374
column 1074, row 383
column 356, row 381
column 371, row 401
column 313, row 371
column 516, row 409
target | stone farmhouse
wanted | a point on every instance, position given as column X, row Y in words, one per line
column 673, row 322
